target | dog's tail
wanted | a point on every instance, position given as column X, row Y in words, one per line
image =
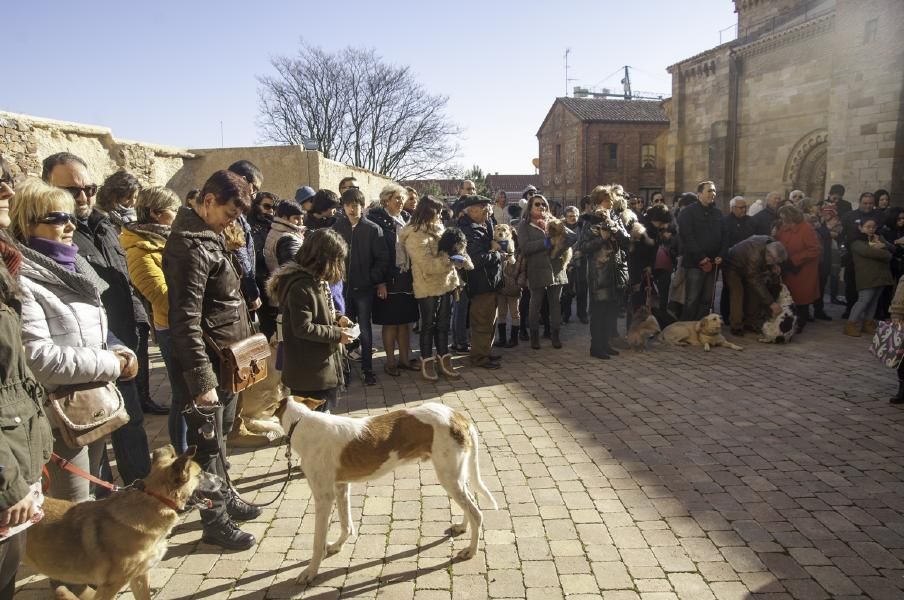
column 475, row 468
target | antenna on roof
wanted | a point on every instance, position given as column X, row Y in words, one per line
column 567, row 52
column 627, row 83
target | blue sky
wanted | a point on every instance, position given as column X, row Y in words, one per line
column 168, row 72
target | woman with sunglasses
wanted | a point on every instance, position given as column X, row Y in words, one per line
column 545, row 274
column 64, row 324
column 26, row 441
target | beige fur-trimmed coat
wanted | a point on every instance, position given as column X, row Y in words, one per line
column 432, row 271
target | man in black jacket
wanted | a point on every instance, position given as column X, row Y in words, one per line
column 763, row 222
column 738, row 227
column 98, row 242
column 483, row 281
column 702, row 248
column 365, row 269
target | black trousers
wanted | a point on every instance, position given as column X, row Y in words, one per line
column 603, row 318
column 11, row 552
column 434, row 324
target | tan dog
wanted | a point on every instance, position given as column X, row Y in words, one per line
column 706, row 332
column 643, row 326
column 504, row 241
column 336, row 450
column 555, row 229
column 116, row 541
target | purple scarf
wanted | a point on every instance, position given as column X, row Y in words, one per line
column 62, row 254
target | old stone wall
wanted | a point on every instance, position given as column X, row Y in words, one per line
column 25, row 141
column 629, row 137
column 565, row 131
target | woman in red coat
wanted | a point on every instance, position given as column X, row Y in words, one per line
column 801, row 272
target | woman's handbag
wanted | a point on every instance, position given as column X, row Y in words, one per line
column 86, row 412
column 888, row 344
column 243, row 363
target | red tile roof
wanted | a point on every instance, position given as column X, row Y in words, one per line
column 608, row 109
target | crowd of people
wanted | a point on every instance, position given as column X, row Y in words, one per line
column 92, row 275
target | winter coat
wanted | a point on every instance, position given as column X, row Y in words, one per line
column 607, row 263
column 542, row 269
column 64, row 324
column 312, row 223
column 748, row 259
column 803, row 248
column 368, row 259
column 98, row 241
column 144, row 255
column 245, row 262
column 642, row 254
column 897, row 260
column 433, row 274
column 204, row 297
column 397, row 281
column 282, row 243
column 27, row 441
column 896, row 309
column 872, row 266
column 738, row 230
column 701, row 233
column 486, row 276
column 312, row 354
column 763, row 222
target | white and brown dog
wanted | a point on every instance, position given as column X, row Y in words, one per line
column 336, row 450
column 706, row 332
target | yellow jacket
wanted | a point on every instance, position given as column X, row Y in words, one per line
column 144, row 256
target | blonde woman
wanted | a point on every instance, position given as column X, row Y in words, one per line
column 64, row 324
column 143, row 242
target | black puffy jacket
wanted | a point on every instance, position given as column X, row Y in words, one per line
column 487, row 273
column 204, row 297
column 702, row 233
column 397, row 282
column 368, row 259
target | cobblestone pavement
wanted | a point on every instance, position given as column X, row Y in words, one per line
column 775, row 472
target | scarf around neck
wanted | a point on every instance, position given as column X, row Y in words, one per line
column 62, row 254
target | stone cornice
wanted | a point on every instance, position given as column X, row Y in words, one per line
column 791, row 35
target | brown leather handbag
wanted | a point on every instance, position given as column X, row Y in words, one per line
column 243, row 363
column 86, row 412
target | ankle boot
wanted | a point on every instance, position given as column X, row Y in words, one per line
column 238, row 509
column 226, row 535
column 445, row 366
column 500, row 337
column 428, row 368
column 899, row 397
column 535, row 338
column 869, row 327
column 852, row 329
column 513, row 339
column 556, row 342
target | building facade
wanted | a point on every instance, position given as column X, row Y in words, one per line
column 809, row 94
column 585, row 142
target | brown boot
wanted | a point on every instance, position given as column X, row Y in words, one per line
column 428, row 368
column 445, row 365
column 869, row 327
column 852, row 329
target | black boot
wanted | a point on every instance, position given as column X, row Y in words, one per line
column 238, row 509
column 899, row 397
column 535, row 338
column 546, row 332
column 819, row 310
column 500, row 336
column 556, row 342
column 803, row 315
column 227, row 535
column 522, row 333
column 513, row 340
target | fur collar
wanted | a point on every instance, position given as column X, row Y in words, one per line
column 282, row 279
column 84, row 282
column 284, row 226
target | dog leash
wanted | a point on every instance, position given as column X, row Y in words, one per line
column 285, row 484
column 712, row 301
column 648, row 280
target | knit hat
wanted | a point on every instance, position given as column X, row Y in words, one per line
column 304, row 193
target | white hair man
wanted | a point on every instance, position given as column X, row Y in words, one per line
column 750, row 264
column 765, row 220
column 796, row 196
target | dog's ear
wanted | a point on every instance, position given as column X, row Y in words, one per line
column 180, row 470
column 191, row 451
column 312, row 403
column 163, row 453
column 281, row 408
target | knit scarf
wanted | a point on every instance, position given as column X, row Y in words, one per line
column 539, row 221
column 11, row 257
column 62, row 254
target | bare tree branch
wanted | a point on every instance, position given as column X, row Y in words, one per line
column 360, row 111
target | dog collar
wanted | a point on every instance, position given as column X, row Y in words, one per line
column 169, row 502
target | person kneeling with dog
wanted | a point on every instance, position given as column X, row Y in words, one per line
column 750, row 264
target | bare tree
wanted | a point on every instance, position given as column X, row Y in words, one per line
column 359, row 110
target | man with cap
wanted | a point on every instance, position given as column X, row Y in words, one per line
column 460, row 306
column 304, row 196
column 484, row 281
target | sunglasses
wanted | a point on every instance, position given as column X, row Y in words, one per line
column 267, row 206
column 88, row 190
column 57, row 218
column 541, row 205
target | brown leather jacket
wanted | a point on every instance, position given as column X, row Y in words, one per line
column 748, row 259
column 204, row 297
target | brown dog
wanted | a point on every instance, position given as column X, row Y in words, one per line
column 706, row 332
column 555, row 229
column 116, row 541
column 643, row 326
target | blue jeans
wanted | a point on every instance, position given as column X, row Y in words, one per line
column 698, row 293
column 864, row 308
column 460, row 309
column 176, row 422
column 360, row 307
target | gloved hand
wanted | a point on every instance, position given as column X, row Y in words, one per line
column 548, row 243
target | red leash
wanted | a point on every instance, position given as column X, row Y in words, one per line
column 68, row 466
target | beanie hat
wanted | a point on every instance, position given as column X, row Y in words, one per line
column 304, row 193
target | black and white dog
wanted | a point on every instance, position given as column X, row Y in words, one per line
column 780, row 329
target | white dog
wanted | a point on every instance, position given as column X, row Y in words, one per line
column 781, row 328
column 336, row 450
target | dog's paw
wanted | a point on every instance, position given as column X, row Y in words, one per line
column 466, row 554
column 458, row 529
column 334, row 548
column 306, row 577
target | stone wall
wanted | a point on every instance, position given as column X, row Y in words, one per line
column 565, row 130
column 26, row 140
